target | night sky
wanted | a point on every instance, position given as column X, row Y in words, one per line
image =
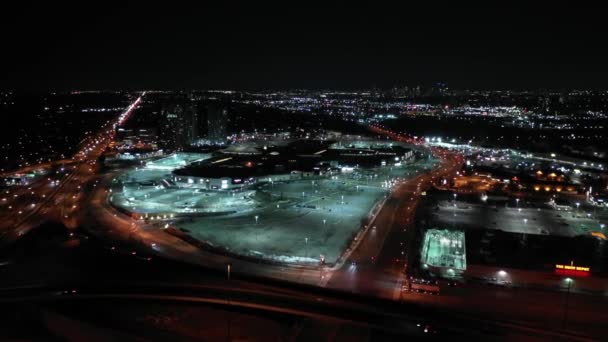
column 302, row 44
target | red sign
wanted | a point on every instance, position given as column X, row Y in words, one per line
column 572, row 270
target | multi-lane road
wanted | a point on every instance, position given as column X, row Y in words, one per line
column 56, row 195
column 377, row 267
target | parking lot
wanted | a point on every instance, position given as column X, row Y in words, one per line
column 294, row 221
column 528, row 220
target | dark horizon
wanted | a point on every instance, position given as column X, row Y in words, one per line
column 275, row 46
column 59, row 90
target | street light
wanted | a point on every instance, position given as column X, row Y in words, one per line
column 577, row 205
column 569, row 281
column 256, row 230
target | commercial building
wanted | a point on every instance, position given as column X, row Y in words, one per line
column 296, row 160
column 136, row 138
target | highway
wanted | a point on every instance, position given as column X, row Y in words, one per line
column 110, row 285
column 56, row 195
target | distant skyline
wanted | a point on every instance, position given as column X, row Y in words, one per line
column 278, row 45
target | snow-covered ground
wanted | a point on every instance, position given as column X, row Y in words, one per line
column 293, row 222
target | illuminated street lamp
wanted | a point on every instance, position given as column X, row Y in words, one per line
column 568, row 281
column 517, row 202
column 577, row 205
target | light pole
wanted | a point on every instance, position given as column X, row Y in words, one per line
column 256, row 227
column 229, row 320
column 577, row 205
column 305, row 247
column 517, row 202
column 569, row 281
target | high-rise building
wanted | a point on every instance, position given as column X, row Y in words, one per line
column 180, row 125
column 217, row 117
